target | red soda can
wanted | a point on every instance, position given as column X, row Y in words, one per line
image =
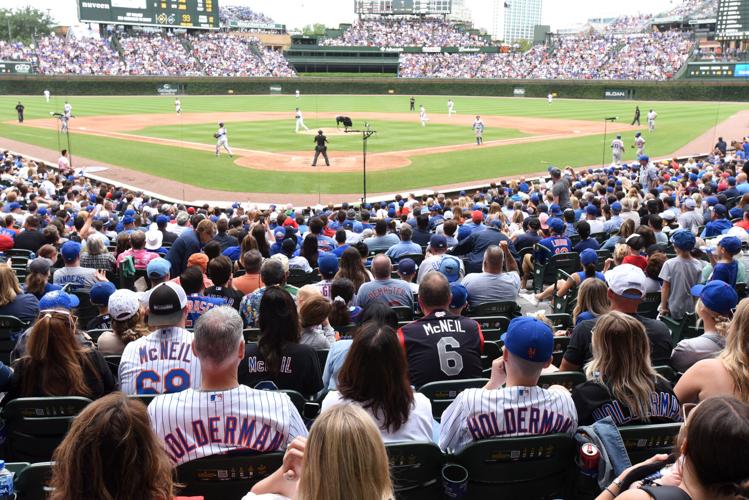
column 589, row 457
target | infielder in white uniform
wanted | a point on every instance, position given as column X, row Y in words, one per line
column 617, row 150
column 450, row 107
column 163, row 361
column 478, row 128
column 652, row 115
column 67, row 114
column 521, row 408
column 300, row 121
column 297, row 94
column 222, row 140
column 423, row 116
column 177, row 106
column 639, row 144
column 46, row 95
column 222, row 415
column 550, row 98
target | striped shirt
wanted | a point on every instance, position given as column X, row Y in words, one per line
column 195, row 424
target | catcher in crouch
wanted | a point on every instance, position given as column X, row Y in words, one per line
column 222, row 140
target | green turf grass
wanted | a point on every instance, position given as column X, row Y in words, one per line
column 678, row 123
column 279, row 135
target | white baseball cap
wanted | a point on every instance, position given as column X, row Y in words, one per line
column 154, row 239
column 123, row 304
column 627, row 278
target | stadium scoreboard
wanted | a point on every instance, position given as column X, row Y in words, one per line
column 733, row 20
column 190, row 14
column 402, row 7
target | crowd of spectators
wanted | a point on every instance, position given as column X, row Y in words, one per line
column 382, row 288
column 16, row 51
column 405, row 32
column 58, row 55
column 229, row 13
column 157, row 54
column 222, row 54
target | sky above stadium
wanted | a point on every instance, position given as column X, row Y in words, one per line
column 297, row 13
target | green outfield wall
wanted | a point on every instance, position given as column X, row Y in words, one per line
column 679, row 90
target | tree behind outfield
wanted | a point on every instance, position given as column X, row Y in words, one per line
column 23, row 24
column 314, row 29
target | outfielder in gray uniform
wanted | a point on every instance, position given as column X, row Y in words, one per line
column 617, row 150
column 521, row 408
column 223, row 415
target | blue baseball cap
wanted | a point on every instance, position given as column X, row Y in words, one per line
column 70, row 250
column 683, row 239
column 13, row 205
column 643, row 158
column 711, row 200
column 450, row 267
column 555, row 209
column 127, row 220
column 616, row 207
column 158, row 268
column 556, row 225
column 42, row 211
column 530, row 339
column 591, row 210
column 101, row 291
column 731, row 243
column 717, row 296
column 59, row 299
column 327, row 264
column 129, row 212
column 720, row 209
column 438, row 241
column 459, row 295
column 406, row 267
column 162, row 220
column 588, row 256
column 736, row 213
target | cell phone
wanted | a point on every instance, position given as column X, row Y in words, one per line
column 645, row 471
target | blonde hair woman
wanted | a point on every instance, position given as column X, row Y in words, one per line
column 343, row 458
column 13, row 302
column 726, row 375
column 621, row 381
column 592, row 301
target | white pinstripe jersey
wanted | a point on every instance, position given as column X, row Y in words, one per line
column 195, row 424
column 159, row 363
column 510, row 412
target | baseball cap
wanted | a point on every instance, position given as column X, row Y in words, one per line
column 161, row 220
column 158, row 268
column 165, row 304
column 101, row 291
column 720, row 209
column 198, row 259
column 556, row 225
column 40, row 265
column 127, row 220
column 477, row 216
column 14, row 205
column 123, row 304
column 543, row 219
column 643, row 158
column 438, row 241
column 450, row 267
column 591, row 210
column 683, row 239
column 283, row 260
column 530, row 339
column 717, row 296
column 690, row 203
column 59, row 299
column 736, row 213
column 627, row 278
column 459, row 295
column 154, row 238
column 555, row 209
column 406, row 267
column 616, row 207
column 70, row 250
column 588, row 256
column 327, row 263
column 711, row 200
column 731, row 243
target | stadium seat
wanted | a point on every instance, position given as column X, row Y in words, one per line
column 308, row 409
column 492, row 350
column 565, row 379
column 31, row 482
column 96, row 333
column 403, row 313
column 649, row 305
column 18, row 252
column 444, row 392
column 86, row 311
column 526, row 467
column 415, row 469
column 322, row 356
column 644, row 441
column 546, row 274
column 113, row 361
column 35, row 426
column 299, row 278
column 10, row 327
column 416, row 257
column 680, row 330
column 251, row 334
column 129, row 282
column 499, row 323
column 508, row 309
column 667, row 372
column 224, row 477
column 560, row 321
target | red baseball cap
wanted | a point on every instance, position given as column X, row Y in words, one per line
column 477, row 215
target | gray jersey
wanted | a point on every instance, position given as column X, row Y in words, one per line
column 689, row 351
column 195, row 424
column 691, row 220
column 79, row 278
column 390, row 291
column 682, row 274
column 478, row 414
column 488, row 287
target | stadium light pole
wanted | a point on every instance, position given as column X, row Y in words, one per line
column 365, row 135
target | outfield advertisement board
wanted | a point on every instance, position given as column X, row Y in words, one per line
column 16, row 67
column 616, row 94
column 193, row 14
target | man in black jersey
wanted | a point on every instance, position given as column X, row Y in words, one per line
column 440, row 346
column 321, row 148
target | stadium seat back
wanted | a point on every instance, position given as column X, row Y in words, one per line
column 508, row 309
column 251, row 334
column 129, row 282
column 31, row 482
column 416, row 470
column 644, row 441
column 565, row 379
column 492, row 350
column 403, row 313
column 86, row 311
column 113, row 362
column 10, row 327
column 417, row 257
column 537, row 467
column 649, row 305
column 35, row 426
column 299, row 278
column 95, row 333
column 492, row 322
column 224, row 477
column 444, row 392
column 143, row 398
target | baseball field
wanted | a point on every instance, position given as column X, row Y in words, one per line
column 142, row 141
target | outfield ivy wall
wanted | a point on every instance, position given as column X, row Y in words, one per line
column 680, row 90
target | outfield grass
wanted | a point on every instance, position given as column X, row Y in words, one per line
column 678, row 123
column 279, row 135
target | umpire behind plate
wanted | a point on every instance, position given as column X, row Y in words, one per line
column 321, row 148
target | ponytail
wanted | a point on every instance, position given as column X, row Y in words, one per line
column 590, row 270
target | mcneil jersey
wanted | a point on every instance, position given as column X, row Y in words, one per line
column 442, row 346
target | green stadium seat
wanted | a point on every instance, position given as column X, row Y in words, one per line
column 10, row 326
column 224, row 477
column 649, row 305
column 508, row 309
column 566, row 379
column 644, row 441
column 31, row 482
column 444, row 392
column 416, row 470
